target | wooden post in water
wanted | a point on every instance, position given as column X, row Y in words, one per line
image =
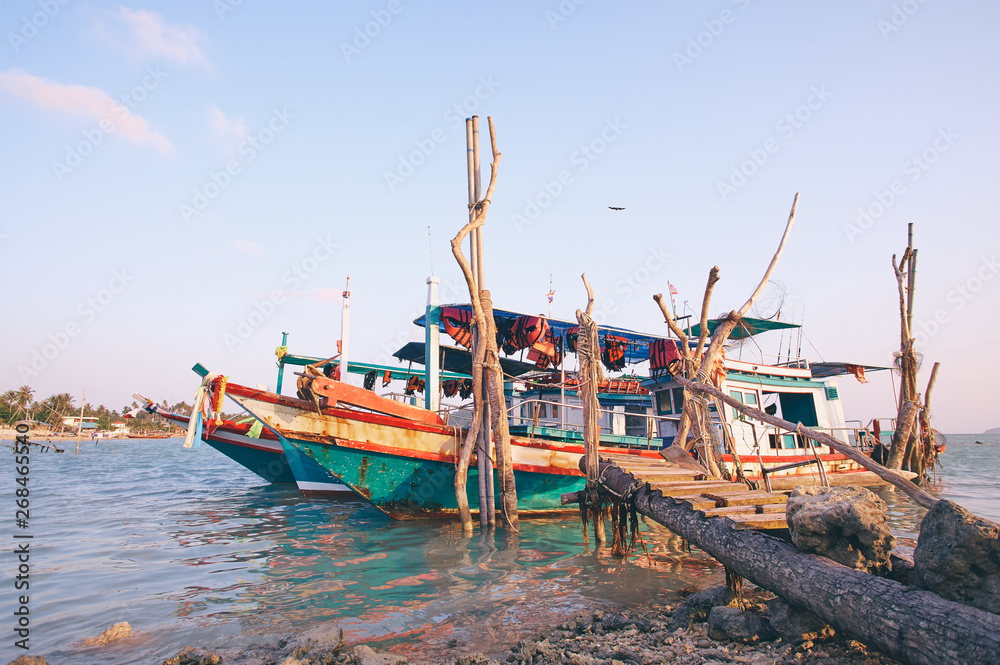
column 486, row 361
column 484, row 463
column 79, row 425
column 588, row 351
column 909, row 444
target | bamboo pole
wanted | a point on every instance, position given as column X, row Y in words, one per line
column 918, row 495
column 488, row 362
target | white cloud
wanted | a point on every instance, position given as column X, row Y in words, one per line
column 248, row 247
column 83, row 101
column 144, row 34
column 223, row 126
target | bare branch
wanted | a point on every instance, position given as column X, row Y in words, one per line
column 774, row 261
column 590, row 295
column 713, row 277
column 674, row 328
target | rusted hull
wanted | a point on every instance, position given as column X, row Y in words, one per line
column 414, row 488
column 407, row 468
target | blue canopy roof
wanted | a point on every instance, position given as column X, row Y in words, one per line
column 638, row 342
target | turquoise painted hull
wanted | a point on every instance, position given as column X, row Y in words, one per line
column 311, row 478
column 413, row 488
column 271, row 465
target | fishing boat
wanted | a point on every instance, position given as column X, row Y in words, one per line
column 259, row 450
column 402, row 457
column 792, row 389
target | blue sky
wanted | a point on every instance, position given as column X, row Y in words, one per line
column 267, row 151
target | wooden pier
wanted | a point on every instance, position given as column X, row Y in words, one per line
column 743, row 507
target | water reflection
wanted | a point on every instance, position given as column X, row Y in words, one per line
column 190, row 549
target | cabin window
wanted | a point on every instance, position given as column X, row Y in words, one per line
column 542, row 411
column 798, row 408
column 738, row 396
column 663, row 404
column 636, row 420
column 678, row 400
column 555, row 410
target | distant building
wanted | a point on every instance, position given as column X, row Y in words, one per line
column 73, row 422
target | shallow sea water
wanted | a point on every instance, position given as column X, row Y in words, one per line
column 190, row 548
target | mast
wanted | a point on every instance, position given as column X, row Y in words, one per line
column 345, row 326
column 432, row 355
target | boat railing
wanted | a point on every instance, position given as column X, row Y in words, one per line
column 533, row 421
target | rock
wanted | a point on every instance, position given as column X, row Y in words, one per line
column 731, row 623
column 28, row 660
column 795, row 625
column 696, row 607
column 846, row 524
column 958, row 557
column 321, row 644
column 119, row 631
column 365, row 655
column 193, row 656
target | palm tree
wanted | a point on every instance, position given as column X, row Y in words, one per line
column 58, row 408
column 7, row 400
column 23, row 398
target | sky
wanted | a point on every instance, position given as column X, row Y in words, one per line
column 185, row 181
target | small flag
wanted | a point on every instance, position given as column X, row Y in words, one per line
column 551, row 295
column 673, row 291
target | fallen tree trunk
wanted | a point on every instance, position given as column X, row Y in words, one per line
column 912, row 625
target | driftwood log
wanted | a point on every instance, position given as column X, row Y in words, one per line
column 912, row 625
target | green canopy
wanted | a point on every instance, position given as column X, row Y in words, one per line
column 748, row 327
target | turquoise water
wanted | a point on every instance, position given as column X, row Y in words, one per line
column 190, row 548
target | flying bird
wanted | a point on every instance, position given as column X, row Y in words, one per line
column 615, row 208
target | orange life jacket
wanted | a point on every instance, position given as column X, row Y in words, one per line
column 527, row 330
column 414, row 384
column 465, row 390
column 458, row 324
column 546, row 352
column 664, row 354
column 613, row 352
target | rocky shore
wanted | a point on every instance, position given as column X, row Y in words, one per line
column 712, row 627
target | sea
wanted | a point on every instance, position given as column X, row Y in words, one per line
column 191, row 549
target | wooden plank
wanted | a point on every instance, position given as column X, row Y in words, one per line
column 659, row 476
column 729, row 510
column 688, row 488
column 766, row 521
column 749, row 498
column 745, row 510
column 696, row 502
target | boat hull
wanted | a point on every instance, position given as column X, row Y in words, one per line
column 311, row 478
column 266, row 457
column 406, row 487
column 406, row 468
